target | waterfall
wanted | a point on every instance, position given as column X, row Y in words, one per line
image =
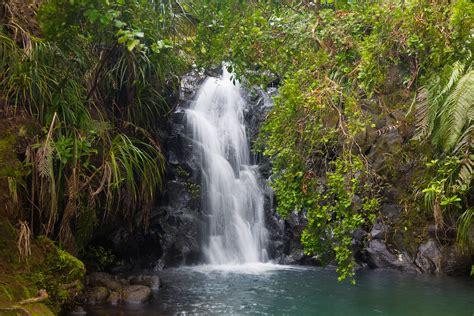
column 230, row 190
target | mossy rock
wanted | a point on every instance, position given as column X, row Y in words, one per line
column 48, row 267
column 57, row 272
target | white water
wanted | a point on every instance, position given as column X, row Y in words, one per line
column 231, row 193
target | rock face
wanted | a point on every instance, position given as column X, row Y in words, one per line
column 292, row 252
column 180, row 219
column 175, row 235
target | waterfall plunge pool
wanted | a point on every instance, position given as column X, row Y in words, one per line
column 268, row 289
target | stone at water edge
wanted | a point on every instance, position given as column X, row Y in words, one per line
column 98, row 278
column 77, row 310
column 114, row 298
column 379, row 256
column 136, row 294
column 151, row 281
column 97, row 295
column 454, row 262
column 103, row 279
column 429, row 257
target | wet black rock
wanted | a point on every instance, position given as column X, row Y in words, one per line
column 379, row 230
column 428, row 258
column 454, row 262
column 380, row 256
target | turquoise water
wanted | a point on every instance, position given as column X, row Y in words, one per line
column 267, row 289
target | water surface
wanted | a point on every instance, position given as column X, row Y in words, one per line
column 266, row 289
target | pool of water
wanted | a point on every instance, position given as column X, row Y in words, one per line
column 261, row 289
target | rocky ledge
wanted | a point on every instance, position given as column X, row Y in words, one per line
column 104, row 288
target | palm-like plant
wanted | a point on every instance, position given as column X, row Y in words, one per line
column 445, row 112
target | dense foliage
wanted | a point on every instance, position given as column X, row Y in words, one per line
column 340, row 69
column 93, row 81
column 86, row 85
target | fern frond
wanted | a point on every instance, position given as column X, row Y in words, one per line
column 456, row 112
column 465, row 222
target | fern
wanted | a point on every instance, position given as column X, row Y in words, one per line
column 445, row 112
column 465, row 222
column 456, row 114
column 445, row 109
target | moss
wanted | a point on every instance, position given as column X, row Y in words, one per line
column 48, row 267
column 57, row 269
column 181, row 172
column 9, row 164
column 194, row 189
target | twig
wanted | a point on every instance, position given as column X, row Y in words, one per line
column 42, row 296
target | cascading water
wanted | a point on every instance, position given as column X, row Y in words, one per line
column 231, row 193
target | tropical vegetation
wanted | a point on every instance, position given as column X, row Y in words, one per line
column 86, row 88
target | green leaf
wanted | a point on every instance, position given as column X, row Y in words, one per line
column 132, row 44
column 119, row 24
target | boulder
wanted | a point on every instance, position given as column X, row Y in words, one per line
column 123, row 282
column 428, row 258
column 296, row 255
column 105, row 280
column 379, row 256
column 97, row 295
column 136, row 294
column 151, row 281
column 449, row 259
column 77, row 310
column 97, row 278
column 114, row 298
column 454, row 261
column 379, row 230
